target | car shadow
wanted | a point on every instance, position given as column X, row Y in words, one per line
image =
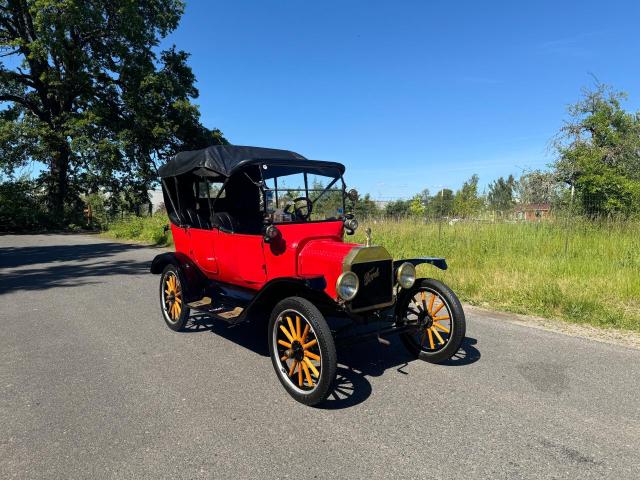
column 69, row 265
column 356, row 362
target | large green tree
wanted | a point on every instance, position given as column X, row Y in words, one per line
column 467, row 201
column 85, row 90
column 500, row 196
column 441, row 204
column 599, row 153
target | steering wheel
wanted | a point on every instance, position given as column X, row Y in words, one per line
column 302, row 212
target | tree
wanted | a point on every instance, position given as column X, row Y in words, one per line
column 441, row 205
column 419, row 203
column 466, row 201
column 85, row 93
column 398, row 208
column 537, row 187
column 500, row 196
column 599, row 152
column 365, row 207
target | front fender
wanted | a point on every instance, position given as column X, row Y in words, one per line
column 310, row 287
column 437, row 262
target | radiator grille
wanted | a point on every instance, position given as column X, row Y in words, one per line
column 376, row 284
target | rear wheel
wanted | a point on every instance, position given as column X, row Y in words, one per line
column 440, row 317
column 174, row 311
column 302, row 350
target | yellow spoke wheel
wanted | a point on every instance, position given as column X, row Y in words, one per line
column 298, row 350
column 174, row 311
column 438, row 317
column 430, row 310
column 302, row 350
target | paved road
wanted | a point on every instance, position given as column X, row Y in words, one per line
column 93, row 385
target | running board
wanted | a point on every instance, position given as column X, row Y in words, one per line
column 229, row 314
column 203, row 302
column 225, row 312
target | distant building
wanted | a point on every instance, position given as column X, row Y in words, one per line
column 532, row 212
column 156, row 199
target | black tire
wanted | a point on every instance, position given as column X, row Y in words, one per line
column 177, row 318
column 416, row 342
column 308, row 391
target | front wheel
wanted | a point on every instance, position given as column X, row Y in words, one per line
column 440, row 319
column 302, row 350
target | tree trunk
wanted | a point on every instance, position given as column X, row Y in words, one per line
column 59, row 182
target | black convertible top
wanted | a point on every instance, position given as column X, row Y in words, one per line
column 225, row 160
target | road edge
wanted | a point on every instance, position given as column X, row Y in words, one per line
column 611, row 336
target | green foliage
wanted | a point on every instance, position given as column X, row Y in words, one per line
column 467, row 202
column 365, row 207
column 500, row 196
column 85, row 93
column 441, row 205
column 419, row 204
column 398, row 208
column 599, row 153
column 148, row 230
column 21, row 206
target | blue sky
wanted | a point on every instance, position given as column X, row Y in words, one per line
column 408, row 94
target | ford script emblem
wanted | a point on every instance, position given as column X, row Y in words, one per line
column 371, row 275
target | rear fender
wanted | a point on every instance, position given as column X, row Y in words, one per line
column 194, row 278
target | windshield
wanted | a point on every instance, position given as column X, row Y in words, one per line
column 290, row 194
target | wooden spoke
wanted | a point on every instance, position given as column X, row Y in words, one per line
column 312, row 356
column 311, row 366
column 442, row 317
column 431, row 339
column 435, row 312
column 178, row 301
column 306, row 374
column 305, row 333
column 441, row 327
column 297, row 359
column 437, row 334
column 423, row 338
column 291, row 329
column 310, row 344
column 286, row 334
column 431, row 300
column 293, row 367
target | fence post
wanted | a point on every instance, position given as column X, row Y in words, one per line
column 566, row 222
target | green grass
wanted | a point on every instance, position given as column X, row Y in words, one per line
column 141, row 229
column 521, row 268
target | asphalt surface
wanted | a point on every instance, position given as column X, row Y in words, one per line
column 94, row 385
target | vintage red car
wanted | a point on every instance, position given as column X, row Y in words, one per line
column 259, row 235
